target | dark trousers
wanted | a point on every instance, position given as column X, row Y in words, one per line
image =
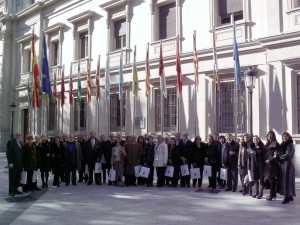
column 71, row 168
column 14, row 177
column 29, row 186
column 91, row 167
column 232, row 179
column 213, row 179
column 149, row 181
column 272, row 186
column 176, row 175
column 201, row 174
column 160, row 172
column 45, row 174
column 130, row 179
column 81, row 173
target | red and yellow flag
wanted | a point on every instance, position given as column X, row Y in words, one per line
column 178, row 68
column 71, row 91
column 62, row 91
column 88, row 80
column 35, row 71
column 196, row 66
column 98, row 95
column 147, row 69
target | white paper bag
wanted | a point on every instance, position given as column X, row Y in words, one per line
column 86, row 169
column 169, row 171
column 223, row 174
column 23, row 177
column 144, row 172
column 98, row 167
column 195, row 173
column 207, row 170
column 137, row 171
column 249, row 176
column 35, row 176
column 112, row 175
column 184, row 169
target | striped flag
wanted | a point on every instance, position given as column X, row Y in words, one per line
column 237, row 72
column 196, row 66
column 98, row 94
column 178, row 68
column 107, row 79
column 88, row 82
column 71, row 87
column 78, row 82
column 121, row 76
column 147, row 69
column 54, row 90
column 161, row 72
column 62, row 91
column 35, row 71
column 135, row 80
column 216, row 73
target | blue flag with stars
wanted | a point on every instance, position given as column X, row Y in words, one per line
column 45, row 71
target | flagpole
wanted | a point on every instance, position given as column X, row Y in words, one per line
column 70, row 94
column 121, row 92
column 147, row 82
column 178, row 92
column 196, row 80
column 98, row 105
column 62, row 107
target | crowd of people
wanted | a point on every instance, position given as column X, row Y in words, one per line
column 259, row 166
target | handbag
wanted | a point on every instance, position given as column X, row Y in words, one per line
column 23, row 177
column 207, row 170
column 184, row 169
column 169, row 171
column 144, row 172
column 98, row 167
column 137, row 171
column 195, row 173
column 112, row 175
column 223, row 174
column 35, row 175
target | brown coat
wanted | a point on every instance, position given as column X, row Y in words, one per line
column 133, row 152
column 29, row 157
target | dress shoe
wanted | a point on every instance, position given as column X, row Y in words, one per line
column 89, row 183
column 287, row 199
column 11, row 194
column 74, row 184
column 19, row 192
column 270, row 198
column 36, row 189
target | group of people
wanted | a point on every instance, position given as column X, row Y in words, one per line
column 258, row 165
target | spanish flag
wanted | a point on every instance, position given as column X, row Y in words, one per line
column 35, row 71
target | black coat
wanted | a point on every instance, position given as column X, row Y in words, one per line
column 14, row 153
column 199, row 154
column 231, row 160
column 29, row 157
column 92, row 155
column 186, row 151
column 213, row 154
column 260, row 158
column 271, row 170
column 148, row 153
column 46, row 158
column 58, row 156
column 107, row 151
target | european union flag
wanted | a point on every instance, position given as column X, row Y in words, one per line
column 237, row 72
column 45, row 71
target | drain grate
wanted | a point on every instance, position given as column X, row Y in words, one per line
column 212, row 191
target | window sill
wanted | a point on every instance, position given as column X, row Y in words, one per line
column 24, row 78
column 168, row 47
column 115, row 55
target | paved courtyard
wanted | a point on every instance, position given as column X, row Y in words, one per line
column 83, row 205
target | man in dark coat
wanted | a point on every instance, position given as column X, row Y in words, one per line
column 186, row 150
column 230, row 160
column 14, row 157
column 82, row 175
column 91, row 155
column 107, row 150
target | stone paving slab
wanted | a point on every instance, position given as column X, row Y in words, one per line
column 88, row 205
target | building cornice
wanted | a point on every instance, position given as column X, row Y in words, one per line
column 80, row 17
column 54, row 27
column 24, row 38
column 113, row 4
column 277, row 41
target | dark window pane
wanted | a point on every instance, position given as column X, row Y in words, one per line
column 298, row 101
column 230, row 6
column 83, row 45
column 167, row 21
column 51, row 117
column 115, row 113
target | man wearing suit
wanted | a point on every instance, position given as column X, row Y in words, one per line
column 186, row 149
column 14, row 157
column 92, row 153
column 107, row 152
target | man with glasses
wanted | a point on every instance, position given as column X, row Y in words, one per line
column 14, row 155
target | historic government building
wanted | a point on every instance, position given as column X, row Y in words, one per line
column 83, row 32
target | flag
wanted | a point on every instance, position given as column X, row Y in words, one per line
column 62, row 91
column 71, row 87
column 196, row 67
column 98, row 94
column 237, row 75
column 35, row 71
column 147, row 69
column 54, row 90
column 163, row 88
column 45, row 71
column 135, row 80
column 88, row 82
column 178, row 68
column 216, row 72
column 107, row 79
column 78, row 81
column 29, row 91
column 121, row 76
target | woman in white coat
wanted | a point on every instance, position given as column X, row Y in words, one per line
column 160, row 160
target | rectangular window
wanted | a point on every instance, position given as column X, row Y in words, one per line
column 296, row 3
column 26, row 61
column 120, row 34
column 51, row 117
column 226, row 107
column 55, row 53
column 167, row 21
column 80, row 115
column 83, row 45
column 115, row 113
column 170, row 111
column 298, row 102
column 230, row 10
